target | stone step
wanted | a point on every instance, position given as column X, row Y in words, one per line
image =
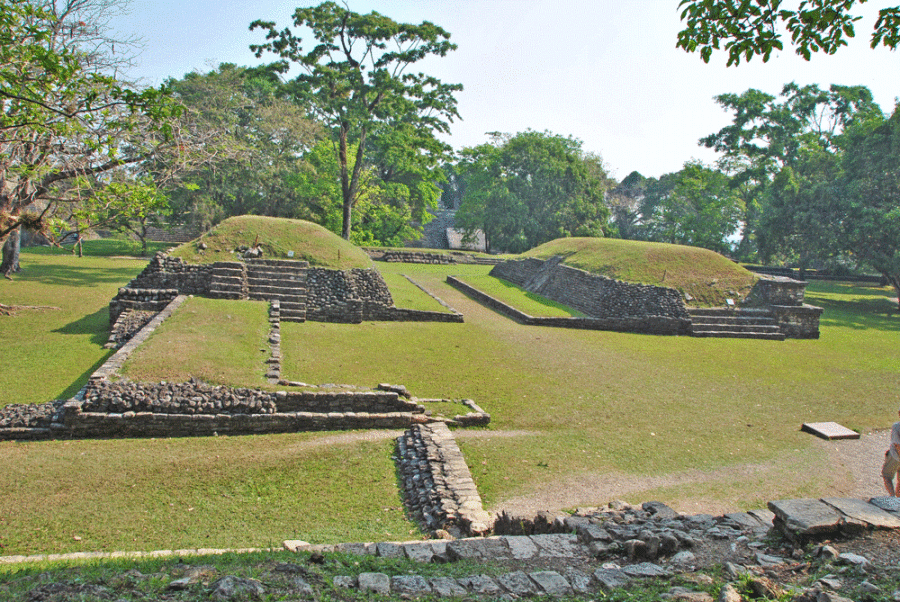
column 295, row 264
column 737, row 320
column 728, row 312
column 287, row 291
column 728, row 334
column 704, row 326
column 218, row 294
column 229, row 279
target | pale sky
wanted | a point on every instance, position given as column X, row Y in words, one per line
column 604, row 71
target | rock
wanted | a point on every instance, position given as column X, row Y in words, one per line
column 376, row 583
column 580, row 582
column 343, row 582
column 768, row 560
column 517, row 583
column 645, row 569
column 732, row 571
column 389, row 550
column 414, row 585
column 481, row 585
column 831, row 597
column 611, row 578
column 826, row 551
column 860, row 562
column 691, row 596
column 446, row 587
column 830, row 582
column 728, row 594
column 236, row 588
column 763, row 587
column 551, row 583
column 658, row 510
column 300, row 587
column 683, row 558
column 869, row 588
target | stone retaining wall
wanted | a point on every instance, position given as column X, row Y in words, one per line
column 595, row 295
column 662, row 325
column 139, row 299
column 438, row 487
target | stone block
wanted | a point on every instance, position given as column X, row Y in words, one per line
column 376, row 583
column 862, row 511
column 481, row 585
column 551, row 583
column 517, row 583
column 558, row 545
column 805, row 518
column 447, row 587
column 413, row 585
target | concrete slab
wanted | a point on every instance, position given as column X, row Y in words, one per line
column 829, row 430
column 805, row 518
column 863, row 511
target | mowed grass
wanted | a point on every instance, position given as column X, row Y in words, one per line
column 566, row 405
column 220, row 492
column 217, row 341
column 49, row 353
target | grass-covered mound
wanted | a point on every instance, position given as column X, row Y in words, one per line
column 704, row 276
column 276, row 236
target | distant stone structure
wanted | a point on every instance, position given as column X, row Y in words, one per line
column 774, row 309
column 305, row 292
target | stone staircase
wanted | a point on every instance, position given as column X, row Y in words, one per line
column 735, row 324
column 229, row 280
column 269, row 279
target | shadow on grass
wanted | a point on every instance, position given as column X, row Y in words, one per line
column 875, row 311
column 93, row 324
column 62, row 275
column 79, row 382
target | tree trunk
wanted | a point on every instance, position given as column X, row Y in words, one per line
column 894, row 280
column 11, row 247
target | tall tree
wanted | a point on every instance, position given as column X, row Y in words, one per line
column 527, row 189
column 356, row 81
column 751, row 28
column 774, row 143
column 68, row 126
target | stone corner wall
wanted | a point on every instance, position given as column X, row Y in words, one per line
column 593, row 294
column 776, row 290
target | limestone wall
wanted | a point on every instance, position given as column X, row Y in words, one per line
column 598, row 296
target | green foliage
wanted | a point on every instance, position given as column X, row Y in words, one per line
column 71, row 128
column 695, row 206
column 750, row 28
column 526, row 189
column 356, row 81
column 260, row 138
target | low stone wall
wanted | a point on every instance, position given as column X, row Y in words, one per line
column 595, row 295
column 437, row 484
column 172, row 272
column 417, row 257
column 126, row 325
column 662, row 325
column 776, row 290
column 798, row 322
column 139, row 299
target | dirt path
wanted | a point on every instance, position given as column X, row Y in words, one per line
column 855, row 472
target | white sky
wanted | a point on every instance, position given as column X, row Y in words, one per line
column 604, row 71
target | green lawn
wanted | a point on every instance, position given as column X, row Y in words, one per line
column 566, row 405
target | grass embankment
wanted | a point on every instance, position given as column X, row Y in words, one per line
column 277, row 237
column 706, row 276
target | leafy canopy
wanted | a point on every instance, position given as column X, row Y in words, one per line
column 754, row 27
column 355, row 79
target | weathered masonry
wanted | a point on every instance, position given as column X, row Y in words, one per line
column 774, row 309
column 304, row 292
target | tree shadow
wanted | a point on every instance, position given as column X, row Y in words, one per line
column 872, row 308
column 64, row 275
column 94, row 324
column 82, row 379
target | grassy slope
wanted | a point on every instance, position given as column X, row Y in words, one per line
column 277, row 236
column 707, row 276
